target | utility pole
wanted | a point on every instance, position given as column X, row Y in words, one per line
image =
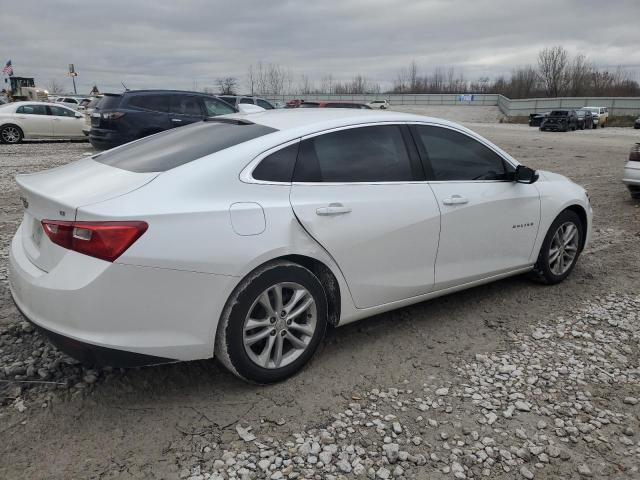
column 73, row 75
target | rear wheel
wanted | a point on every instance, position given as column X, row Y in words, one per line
column 560, row 249
column 273, row 323
column 10, row 134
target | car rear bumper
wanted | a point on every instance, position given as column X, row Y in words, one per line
column 104, row 139
column 631, row 176
column 119, row 314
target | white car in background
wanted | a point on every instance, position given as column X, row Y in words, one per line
column 30, row 120
column 631, row 176
column 600, row 115
column 245, row 236
column 379, row 104
column 76, row 103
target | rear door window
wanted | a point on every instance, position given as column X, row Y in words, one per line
column 109, row 102
column 363, row 154
column 32, row 109
column 154, row 103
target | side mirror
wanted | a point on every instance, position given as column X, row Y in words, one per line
column 525, row 175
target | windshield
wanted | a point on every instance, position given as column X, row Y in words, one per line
column 559, row 113
column 592, row 109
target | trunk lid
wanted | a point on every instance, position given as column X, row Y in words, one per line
column 57, row 194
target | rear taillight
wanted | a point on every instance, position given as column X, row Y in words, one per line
column 103, row 240
column 112, row 115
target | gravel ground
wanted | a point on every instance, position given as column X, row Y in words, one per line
column 508, row 380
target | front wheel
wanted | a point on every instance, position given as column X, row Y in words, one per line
column 273, row 323
column 10, row 134
column 560, row 249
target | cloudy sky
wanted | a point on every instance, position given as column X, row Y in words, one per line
column 187, row 43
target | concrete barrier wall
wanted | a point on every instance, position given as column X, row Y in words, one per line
column 512, row 108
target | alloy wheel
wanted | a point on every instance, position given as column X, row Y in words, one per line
column 10, row 134
column 563, row 248
column 280, row 325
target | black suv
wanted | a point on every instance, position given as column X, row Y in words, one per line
column 561, row 120
column 121, row 118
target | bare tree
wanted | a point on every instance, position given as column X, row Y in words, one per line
column 251, row 80
column 54, row 87
column 552, row 65
column 227, row 85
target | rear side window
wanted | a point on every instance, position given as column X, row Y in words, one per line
column 456, row 156
column 277, row 167
column 155, row 103
column 172, row 148
column 364, row 154
column 246, row 100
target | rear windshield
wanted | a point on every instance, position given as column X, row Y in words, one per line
column 172, row 148
column 108, row 102
column 559, row 113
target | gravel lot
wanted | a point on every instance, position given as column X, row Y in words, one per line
column 507, row 380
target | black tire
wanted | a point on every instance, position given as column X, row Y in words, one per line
column 541, row 271
column 11, row 134
column 230, row 348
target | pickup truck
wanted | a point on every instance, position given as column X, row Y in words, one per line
column 600, row 116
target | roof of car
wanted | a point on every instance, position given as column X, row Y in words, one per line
column 313, row 120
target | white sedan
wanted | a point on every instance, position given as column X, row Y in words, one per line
column 29, row 120
column 245, row 236
column 631, row 176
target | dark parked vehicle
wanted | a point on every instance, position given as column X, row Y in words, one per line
column 325, row 104
column 535, row 119
column 585, row 119
column 236, row 100
column 128, row 116
column 636, row 124
column 560, row 120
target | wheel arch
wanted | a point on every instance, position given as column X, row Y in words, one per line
column 582, row 215
column 10, row 124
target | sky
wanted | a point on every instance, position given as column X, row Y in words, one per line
column 187, row 44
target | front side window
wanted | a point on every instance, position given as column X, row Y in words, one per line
column 32, row 109
column 61, row 111
column 214, row 107
column 184, row 105
column 264, row 104
column 277, row 167
column 364, row 154
column 456, row 156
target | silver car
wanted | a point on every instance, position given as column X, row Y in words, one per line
column 631, row 176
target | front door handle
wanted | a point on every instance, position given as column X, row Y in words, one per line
column 455, row 200
column 333, row 209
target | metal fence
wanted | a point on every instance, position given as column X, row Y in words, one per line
column 618, row 106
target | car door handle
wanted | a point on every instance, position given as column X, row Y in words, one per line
column 333, row 209
column 177, row 120
column 455, row 200
column 56, row 119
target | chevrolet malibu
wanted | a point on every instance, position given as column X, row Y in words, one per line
column 244, row 237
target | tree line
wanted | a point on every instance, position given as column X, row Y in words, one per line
column 556, row 74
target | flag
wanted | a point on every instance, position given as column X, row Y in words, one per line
column 8, row 69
